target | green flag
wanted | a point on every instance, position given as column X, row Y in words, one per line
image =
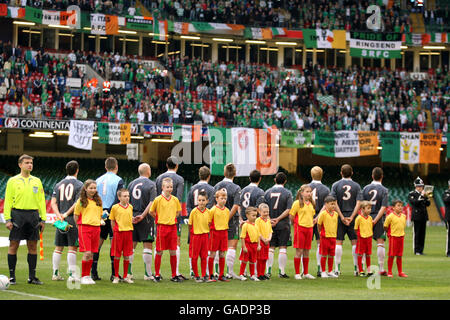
column 390, row 141
column 295, row 139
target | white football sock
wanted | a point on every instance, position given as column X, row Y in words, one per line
column 178, row 260
column 147, row 257
column 72, row 262
column 231, row 254
column 355, row 256
column 56, row 260
column 338, row 256
column 131, row 259
column 282, row 260
column 269, row 263
column 318, row 256
column 381, row 253
column 216, row 262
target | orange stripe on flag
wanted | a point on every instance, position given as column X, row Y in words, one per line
column 368, row 143
column 266, row 33
column 430, row 143
column 236, row 27
column 266, row 153
column 111, row 24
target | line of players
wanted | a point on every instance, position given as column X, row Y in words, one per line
column 279, row 200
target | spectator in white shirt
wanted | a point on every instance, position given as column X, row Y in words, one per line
column 387, row 125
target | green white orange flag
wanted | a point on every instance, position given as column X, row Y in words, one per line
column 410, row 147
column 114, row 133
column 246, row 148
column 324, row 38
column 104, row 24
column 160, row 29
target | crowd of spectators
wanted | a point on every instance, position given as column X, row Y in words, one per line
column 231, row 94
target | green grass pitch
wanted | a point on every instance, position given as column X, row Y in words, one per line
column 429, row 278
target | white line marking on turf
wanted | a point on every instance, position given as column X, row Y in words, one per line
column 31, row 295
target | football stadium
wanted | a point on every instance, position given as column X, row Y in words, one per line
column 224, row 150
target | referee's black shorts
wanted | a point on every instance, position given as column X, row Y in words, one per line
column 26, row 225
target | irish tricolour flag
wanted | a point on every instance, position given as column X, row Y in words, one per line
column 246, row 148
column 344, row 144
column 114, row 133
column 324, row 38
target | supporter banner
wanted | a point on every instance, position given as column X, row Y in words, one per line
column 114, row 133
column 3, row 10
column 140, row 23
column 324, row 38
column 439, row 38
column 375, row 45
column 158, row 129
column 80, row 135
column 104, row 24
column 345, row 144
column 160, row 29
column 216, row 28
column 22, row 123
column 15, row 12
column 410, row 147
column 264, row 33
column 249, row 149
column 49, row 16
column 187, row 133
column 178, row 27
column 296, row 139
column 417, row 39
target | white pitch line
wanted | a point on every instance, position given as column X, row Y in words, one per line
column 31, row 295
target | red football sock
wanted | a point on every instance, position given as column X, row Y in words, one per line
column 203, row 266
column 195, row 266
column 116, row 267
column 297, row 265
column 330, row 264
column 252, row 269
column 157, row 264
column 305, row 265
column 368, row 263
column 399, row 264
column 89, row 266
column 323, row 263
column 390, row 264
column 360, row 268
column 242, row 269
column 211, row 266
column 221, row 266
column 84, row 268
column 173, row 265
column 126, row 263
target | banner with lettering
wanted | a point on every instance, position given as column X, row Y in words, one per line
column 376, row 45
column 296, row 139
column 114, row 133
column 345, row 144
column 80, row 134
column 410, row 147
column 104, row 24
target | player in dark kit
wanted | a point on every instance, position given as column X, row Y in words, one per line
column 204, row 175
column 64, row 196
column 319, row 193
column 252, row 195
column 279, row 199
column 378, row 195
column 142, row 193
column 178, row 189
column 233, row 200
column 348, row 195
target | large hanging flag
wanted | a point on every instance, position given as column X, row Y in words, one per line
column 246, row 148
column 104, row 24
column 417, row 39
column 48, row 17
column 258, row 33
column 296, row 139
column 324, row 38
column 345, row 144
column 16, row 12
column 376, row 45
column 140, row 23
column 114, row 133
column 178, row 27
column 187, row 132
column 439, row 37
column 410, row 147
column 160, row 29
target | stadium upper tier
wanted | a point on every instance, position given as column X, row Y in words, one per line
column 296, row 14
column 33, row 84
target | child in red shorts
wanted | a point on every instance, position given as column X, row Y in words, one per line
column 265, row 231
column 199, row 228
column 364, row 231
column 327, row 222
column 122, row 224
column 395, row 226
column 250, row 244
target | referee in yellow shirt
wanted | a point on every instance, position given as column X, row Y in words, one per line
column 25, row 215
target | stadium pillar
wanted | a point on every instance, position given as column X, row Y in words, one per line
column 247, row 53
column 15, row 34
column 280, row 57
column 214, row 53
column 348, row 59
column 416, row 60
column 182, row 47
column 304, row 56
column 141, row 40
column 56, row 39
column 97, row 43
column 82, row 42
column 314, row 58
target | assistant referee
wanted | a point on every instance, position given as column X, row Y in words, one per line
column 25, row 215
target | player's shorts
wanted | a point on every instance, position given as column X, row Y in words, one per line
column 88, row 238
column 166, row 237
column 106, row 230
column 378, row 229
column 343, row 230
column 144, row 231
column 218, row 240
column 327, row 246
column 67, row 238
column 263, row 254
column 250, row 255
column 233, row 230
column 26, row 225
column 281, row 237
column 122, row 244
column 316, row 233
column 302, row 237
column 364, row 245
column 199, row 245
column 396, row 246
